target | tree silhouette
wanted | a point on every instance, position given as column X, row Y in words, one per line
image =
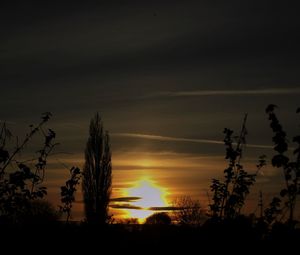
column 161, row 218
column 188, row 211
column 97, row 177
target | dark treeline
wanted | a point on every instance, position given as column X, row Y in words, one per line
column 23, row 204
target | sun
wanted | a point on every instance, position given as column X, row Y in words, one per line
column 150, row 194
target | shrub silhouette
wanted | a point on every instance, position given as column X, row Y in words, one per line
column 229, row 195
column 159, row 219
column 19, row 188
column 127, row 221
column 39, row 211
column 68, row 192
column 188, row 211
column 291, row 170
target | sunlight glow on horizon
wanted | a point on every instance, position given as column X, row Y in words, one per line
column 151, row 195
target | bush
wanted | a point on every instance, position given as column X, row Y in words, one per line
column 39, row 212
column 159, row 218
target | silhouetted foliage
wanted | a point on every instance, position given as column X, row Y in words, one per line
column 274, row 209
column 19, row 188
column 127, row 221
column 39, row 211
column 161, row 218
column 229, row 195
column 97, row 176
column 188, row 211
column 291, row 169
column 68, row 192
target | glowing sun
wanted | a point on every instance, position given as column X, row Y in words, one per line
column 150, row 194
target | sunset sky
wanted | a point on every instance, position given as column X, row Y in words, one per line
column 167, row 77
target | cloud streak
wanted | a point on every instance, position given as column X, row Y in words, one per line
column 254, row 92
column 125, row 199
column 180, row 139
column 126, row 206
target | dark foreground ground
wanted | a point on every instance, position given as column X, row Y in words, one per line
column 140, row 239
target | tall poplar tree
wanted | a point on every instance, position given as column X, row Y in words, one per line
column 97, row 173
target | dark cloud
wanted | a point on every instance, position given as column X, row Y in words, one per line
column 125, row 199
column 54, row 43
column 125, row 206
column 164, row 208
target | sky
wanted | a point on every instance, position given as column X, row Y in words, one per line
column 166, row 76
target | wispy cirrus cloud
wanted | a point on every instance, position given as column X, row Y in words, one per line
column 7, row 122
column 181, row 139
column 255, row 92
column 165, row 138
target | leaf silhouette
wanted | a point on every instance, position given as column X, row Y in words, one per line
column 270, row 108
